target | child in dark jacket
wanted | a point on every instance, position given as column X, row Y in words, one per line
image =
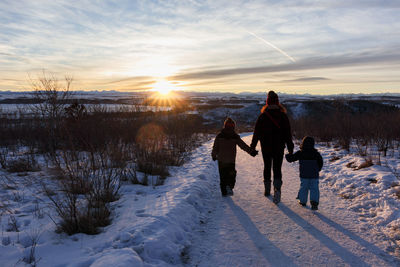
column 311, row 163
column 224, row 150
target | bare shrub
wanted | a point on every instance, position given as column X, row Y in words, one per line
column 362, row 146
column 6, row 240
column 131, row 175
column 343, row 124
column 119, row 154
column 151, row 150
column 13, row 225
column 89, row 183
column 50, row 98
column 30, row 256
column 3, row 157
column 23, row 164
column 73, row 212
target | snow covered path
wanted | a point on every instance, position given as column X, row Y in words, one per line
column 249, row 230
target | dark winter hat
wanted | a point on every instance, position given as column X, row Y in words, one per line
column 229, row 123
column 307, row 143
column 272, row 98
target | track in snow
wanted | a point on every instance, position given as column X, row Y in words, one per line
column 248, row 229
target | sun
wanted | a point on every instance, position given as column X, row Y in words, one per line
column 163, row 87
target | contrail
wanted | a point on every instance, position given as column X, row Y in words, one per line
column 273, row 46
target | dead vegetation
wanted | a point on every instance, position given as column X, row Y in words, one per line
column 92, row 150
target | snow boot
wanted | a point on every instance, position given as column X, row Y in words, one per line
column 314, row 205
column 229, row 191
column 302, row 204
column 223, row 190
column 277, row 196
column 266, row 193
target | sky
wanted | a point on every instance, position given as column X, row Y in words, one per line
column 291, row 46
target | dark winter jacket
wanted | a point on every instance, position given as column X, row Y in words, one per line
column 310, row 159
column 273, row 130
column 224, row 149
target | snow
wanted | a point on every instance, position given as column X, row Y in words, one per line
column 372, row 191
column 187, row 222
column 119, row 258
column 250, row 230
column 150, row 225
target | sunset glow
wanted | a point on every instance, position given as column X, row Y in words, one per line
column 163, row 87
column 322, row 47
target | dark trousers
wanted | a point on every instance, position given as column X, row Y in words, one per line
column 273, row 160
column 227, row 175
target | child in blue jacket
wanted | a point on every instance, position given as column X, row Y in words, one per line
column 311, row 163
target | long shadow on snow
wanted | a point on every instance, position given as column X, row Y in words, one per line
column 270, row 252
column 369, row 246
column 340, row 251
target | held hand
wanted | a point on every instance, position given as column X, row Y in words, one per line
column 254, row 153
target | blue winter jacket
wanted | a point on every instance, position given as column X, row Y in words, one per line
column 310, row 159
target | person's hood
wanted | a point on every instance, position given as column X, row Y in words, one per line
column 307, row 143
column 228, row 133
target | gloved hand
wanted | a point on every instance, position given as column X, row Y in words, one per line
column 254, row 153
column 289, row 157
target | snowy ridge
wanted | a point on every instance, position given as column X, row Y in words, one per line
column 158, row 224
column 151, row 226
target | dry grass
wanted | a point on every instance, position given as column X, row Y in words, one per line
column 351, row 165
column 367, row 163
column 334, row 158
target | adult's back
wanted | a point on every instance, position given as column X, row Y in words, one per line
column 273, row 131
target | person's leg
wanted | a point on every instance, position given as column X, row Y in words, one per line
column 314, row 191
column 222, row 177
column 277, row 169
column 232, row 175
column 303, row 192
column 267, row 173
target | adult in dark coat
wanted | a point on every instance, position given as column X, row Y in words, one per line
column 273, row 131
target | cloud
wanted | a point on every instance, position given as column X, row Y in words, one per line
column 307, row 79
column 300, row 65
column 139, row 79
column 194, row 41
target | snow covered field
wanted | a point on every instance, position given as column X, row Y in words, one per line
column 155, row 223
column 187, row 222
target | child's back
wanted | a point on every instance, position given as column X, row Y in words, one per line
column 310, row 159
column 224, row 150
column 311, row 163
